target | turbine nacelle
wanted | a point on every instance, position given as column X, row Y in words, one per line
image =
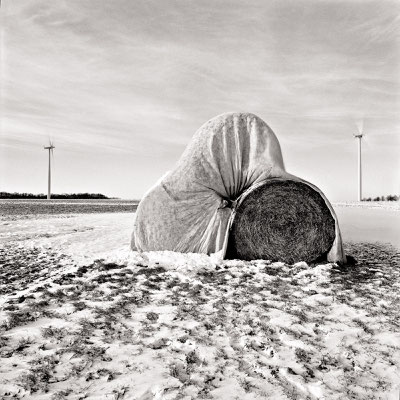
column 50, row 146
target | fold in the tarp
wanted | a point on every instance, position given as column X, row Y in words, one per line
column 191, row 209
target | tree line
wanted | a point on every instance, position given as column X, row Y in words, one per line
column 15, row 195
column 390, row 197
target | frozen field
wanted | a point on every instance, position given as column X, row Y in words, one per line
column 84, row 317
column 370, row 222
column 28, row 208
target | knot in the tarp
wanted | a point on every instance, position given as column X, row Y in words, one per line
column 227, row 203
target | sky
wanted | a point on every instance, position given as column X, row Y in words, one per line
column 120, row 87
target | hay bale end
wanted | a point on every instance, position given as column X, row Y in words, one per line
column 282, row 220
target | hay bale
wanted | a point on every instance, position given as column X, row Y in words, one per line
column 282, row 220
column 187, row 209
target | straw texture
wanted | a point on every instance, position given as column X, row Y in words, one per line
column 282, row 221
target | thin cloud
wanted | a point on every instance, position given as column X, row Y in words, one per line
column 138, row 78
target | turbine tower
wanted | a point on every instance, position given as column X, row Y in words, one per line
column 50, row 148
column 359, row 137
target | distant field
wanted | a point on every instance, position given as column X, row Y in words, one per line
column 22, row 207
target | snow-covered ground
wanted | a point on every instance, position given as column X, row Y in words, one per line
column 82, row 316
column 383, row 205
column 370, row 221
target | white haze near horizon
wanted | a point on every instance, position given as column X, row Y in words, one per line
column 121, row 87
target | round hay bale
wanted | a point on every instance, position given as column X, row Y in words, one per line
column 282, row 220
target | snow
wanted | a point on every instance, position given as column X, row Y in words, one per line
column 370, row 221
column 84, row 316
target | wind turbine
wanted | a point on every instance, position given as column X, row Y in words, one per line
column 50, row 148
column 359, row 137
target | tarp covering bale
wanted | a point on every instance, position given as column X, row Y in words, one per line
column 193, row 207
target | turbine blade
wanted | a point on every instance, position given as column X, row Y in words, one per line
column 368, row 142
column 360, row 125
